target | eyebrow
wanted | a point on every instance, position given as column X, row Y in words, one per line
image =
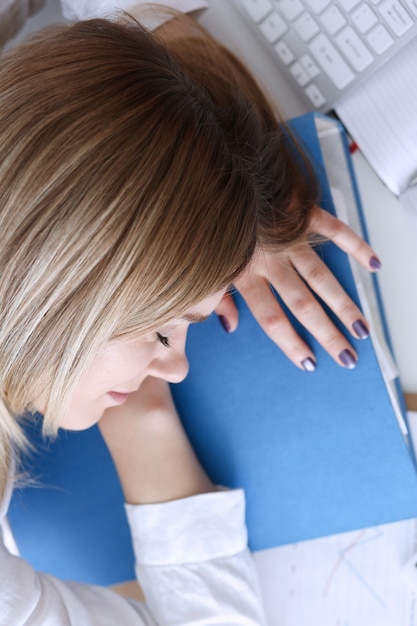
column 194, row 319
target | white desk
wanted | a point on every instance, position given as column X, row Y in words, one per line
column 391, row 230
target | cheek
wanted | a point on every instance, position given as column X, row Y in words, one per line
column 116, row 368
column 119, row 370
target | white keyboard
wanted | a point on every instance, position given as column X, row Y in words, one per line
column 327, row 47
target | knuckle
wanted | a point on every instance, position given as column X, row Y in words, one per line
column 303, row 306
column 317, row 274
column 361, row 248
column 338, row 227
column 348, row 310
column 272, row 322
column 333, row 341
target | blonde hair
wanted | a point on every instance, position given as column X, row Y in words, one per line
column 132, row 186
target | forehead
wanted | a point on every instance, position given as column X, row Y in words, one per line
column 203, row 309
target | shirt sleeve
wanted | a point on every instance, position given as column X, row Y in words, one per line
column 192, row 553
column 30, row 598
column 191, row 561
column 85, row 9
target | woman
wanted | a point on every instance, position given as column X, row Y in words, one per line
column 138, row 182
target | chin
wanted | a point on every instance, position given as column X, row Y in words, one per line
column 77, row 421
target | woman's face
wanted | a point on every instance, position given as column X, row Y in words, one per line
column 121, row 366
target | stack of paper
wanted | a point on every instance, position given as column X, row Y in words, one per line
column 381, row 117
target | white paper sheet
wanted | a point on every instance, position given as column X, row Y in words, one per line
column 381, row 117
column 351, row 579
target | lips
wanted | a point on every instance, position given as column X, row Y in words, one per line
column 118, row 396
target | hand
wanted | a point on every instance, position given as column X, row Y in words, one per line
column 289, row 272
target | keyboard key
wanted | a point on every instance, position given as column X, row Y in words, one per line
column 364, row 18
column 284, row 52
column 318, row 5
column 348, row 5
column 309, row 66
column 411, row 6
column 353, row 49
column 273, row 27
column 257, row 9
column 333, row 20
column 306, row 27
column 331, row 61
column 290, row 8
column 299, row 74
column 315, row 95
column 379, row 39
column 396, row 17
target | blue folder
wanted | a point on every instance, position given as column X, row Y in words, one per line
column 317, row 453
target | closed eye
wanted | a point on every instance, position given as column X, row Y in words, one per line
column 164, row 340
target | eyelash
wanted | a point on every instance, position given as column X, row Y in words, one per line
column 164, row 340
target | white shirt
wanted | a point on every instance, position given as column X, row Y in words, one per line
column 191, row 555
column 191, row 561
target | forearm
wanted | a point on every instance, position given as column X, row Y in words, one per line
column 153, row 457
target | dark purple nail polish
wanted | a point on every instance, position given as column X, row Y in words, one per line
column 309, row 364
column 375, row 263
column 224, row 322
column 347, row 359
column 360, row 329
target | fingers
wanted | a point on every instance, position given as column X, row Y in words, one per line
column 289, row 274
column 305, row 307
column 227, row 313
column 325, row 224
column 270, row 316
column 298, row 275
column 323, row 283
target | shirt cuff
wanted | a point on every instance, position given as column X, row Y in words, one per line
column 200, row 528
column 85, row 9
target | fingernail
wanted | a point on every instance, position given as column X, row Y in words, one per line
column 375, row 263
column 360, row 329
column 224, row 322
column 347, row 359
column 309, row 364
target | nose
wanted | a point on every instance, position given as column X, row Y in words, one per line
column 172, row 367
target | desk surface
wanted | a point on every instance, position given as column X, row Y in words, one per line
column 392, row 231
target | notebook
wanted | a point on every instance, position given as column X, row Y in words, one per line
column 317, row 453
column 380, row 115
